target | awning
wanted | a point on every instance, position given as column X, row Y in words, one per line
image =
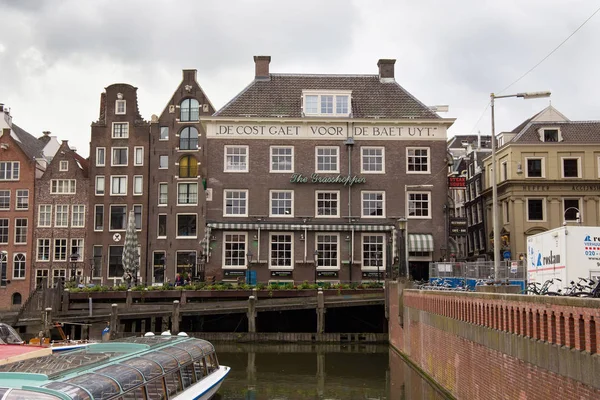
column 299, row 227
column 420, row 242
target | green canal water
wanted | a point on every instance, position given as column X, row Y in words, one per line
column 295, row 371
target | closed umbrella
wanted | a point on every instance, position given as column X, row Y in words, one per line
column 130, row 249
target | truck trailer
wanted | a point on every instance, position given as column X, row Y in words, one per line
column 567, row 253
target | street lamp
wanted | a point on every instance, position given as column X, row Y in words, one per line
column 316, row 258
column 74, row 258
column 201, row 263
column 496, row 222
column 402, row 264
column 577, row 219
column 249, row 273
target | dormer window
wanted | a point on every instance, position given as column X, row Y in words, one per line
column 550, row 135
column 120, row 107
column 323, row 103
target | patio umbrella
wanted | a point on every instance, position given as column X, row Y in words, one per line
column 130, row 248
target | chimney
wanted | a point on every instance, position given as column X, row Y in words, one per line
column 102, row 106
column 262, row 67
column 386, row 70
column 189, row 74
column 46, row 133
column 1, row 107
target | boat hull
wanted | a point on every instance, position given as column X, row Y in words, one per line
column 206, row 388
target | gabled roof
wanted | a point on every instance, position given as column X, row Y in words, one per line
column 28, row 143
column 281, row 96
column 548, row 114
column 580, row 132
column 455, row 142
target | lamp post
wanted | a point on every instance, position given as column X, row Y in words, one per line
column 316, row 258
column 201, row 264
column 249, row 273
column 495, row 221
column 577, row 214
column 74, row 258
column 92, row 268
column 402, row 264
column 378, row 260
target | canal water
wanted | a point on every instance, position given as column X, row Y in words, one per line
column 299, row 371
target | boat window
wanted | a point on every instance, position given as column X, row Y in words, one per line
column 199, row 369
column 173, row 383
column 206, row 347
column 74, row 392
column 191, row 348
column 17, row 394
column 155, row 389
column 127, row 377
column 148, row 368
column 166, row 361
column 182, row 356
column 100, row 387
column 188, row 377
column 211, row 363
column 135, row 394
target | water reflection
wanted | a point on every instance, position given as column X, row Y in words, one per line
column 293, row 371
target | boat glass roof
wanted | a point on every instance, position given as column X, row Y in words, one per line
column 182, row 356
column 127, row 377
column 100, row 387
column 192, row 348
column 166, row 361
column 74, row 392
column 150, row 369
column 55, row 364
column 149, row 340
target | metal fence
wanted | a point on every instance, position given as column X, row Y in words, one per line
column 511, row 270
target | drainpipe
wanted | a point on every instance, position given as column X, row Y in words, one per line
column 258, row 244
column 349, row 143
column 305, row 243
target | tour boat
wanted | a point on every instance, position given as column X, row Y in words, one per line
column 150, row 367
column 13, row 345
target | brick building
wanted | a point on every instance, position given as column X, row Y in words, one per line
column 61, row 198
column 118, row 173
column 306, row 169
column 21, row 161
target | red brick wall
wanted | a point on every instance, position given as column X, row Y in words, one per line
column 471, row 370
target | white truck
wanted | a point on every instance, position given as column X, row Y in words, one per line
column 567, row 253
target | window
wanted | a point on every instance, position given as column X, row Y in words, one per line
column 138, row 155
column 187, row 193
column 100, row 156
column 534, row 168
column 335, row 104
column 571, row 210
column 62, row 186
column 4, row 199
column 78, row 216
column 22, row 199
column 373, row 204
column 41, row 278
column 550, row 135
column 138, row 185
column 188, row 167
column 185, row 261
column 341, row 104
column 43, row 250
column 535, row 209
column 3, row 268
column 19, row 266
column 190, row 110
column 327, row 204
column 63, row 166
column 58, row 275
column 163, row 191
column 9, row 170
column 120, row 107
column 44, row 215
column 186, row 225
column 120, row 130
column 137, row 214
column 60, row 249
column 236, row 158
column 118, row 185
column 164, row 133
column 119, row 156
column 282, row 159
column 327, row 249
column 236, row 203
column 115, row 261
column 419, row 205
column 163, row 162
column 327, row 159
column 99, row 217
column 506, row 207
column 282, row 203
column 62, row 216
column 372, row 160
column 281, row 251
column 417, row 160
column 118, row 218
column 373, row 252
column 77, row 248
column 234, row 250
column 188, row 138
column 97, row 261
column 3, row 230
column 99, row 185
column 158, row 266
column 20, row 230
column 162, row 225
column 570, row 167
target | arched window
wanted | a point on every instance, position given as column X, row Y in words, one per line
column 19, row 266
column 188, row 138
column 190, row 110
column 16, row 299
column 188, row 167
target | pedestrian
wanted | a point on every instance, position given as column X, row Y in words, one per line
column 178, row 280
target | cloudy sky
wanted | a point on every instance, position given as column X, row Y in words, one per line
column 56, row 56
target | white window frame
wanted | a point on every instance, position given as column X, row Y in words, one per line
column 429, row 199
column 48, row 213
column 96, row 206
column 373, row 268
column 544, row 210
column 141, row 207
column 158, row 235
column 177, row 226
column 160, row 185
column 66, row 247
column 408, row 150
column 112, row 156
column 244, row 264
column 136, row 179
column 317, row 192
column 100, row 178
column 247, row 203
column 101, row 157
column 543, row 165
column 562, row 167
column 362, row 159
column 82, row 247
column 23, row 269
column 79, row 210
column 292, row 261
column 362, row 203
column 337, row 157
column 7, row 202
column 320, row 94
column 10, row 166
column 160, row 132
column 338, row 260
column 271, row 214
column 197, row 193
column 126, row 135
column 271, row 163
column 19, row 196
column 7, row 230
column 110, row 229
column 63, row 165
column 160, row 158
column 64, row 212
column 226, row 165
column 112, row 193
column 138, row 162
column 120, row 102
column 41, row 242
column 70, row 184
column 26, row 230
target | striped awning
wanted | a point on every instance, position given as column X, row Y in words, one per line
column 299, row 227
column 420, row 242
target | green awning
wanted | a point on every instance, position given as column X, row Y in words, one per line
column 422, row 242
